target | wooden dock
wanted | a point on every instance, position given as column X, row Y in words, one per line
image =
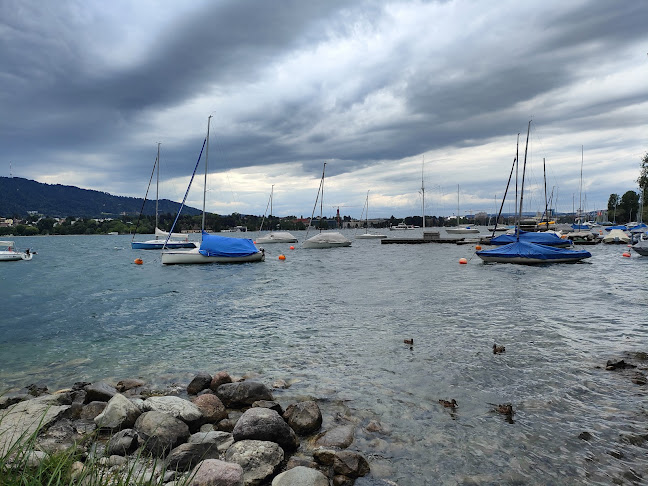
column 428, row 237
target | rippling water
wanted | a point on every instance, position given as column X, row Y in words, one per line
column 333, row 322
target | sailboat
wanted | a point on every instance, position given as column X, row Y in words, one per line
column 525, row 252
column 328, row 239
column 275, row 236
column 179, row 240
column 460, row 229
column 213, row 248
column 367, row 235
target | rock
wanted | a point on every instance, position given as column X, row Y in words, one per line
column 304, row 417
column 59, row 437
column 36, row 390
column 301, row 460
column 639, row 378
column 211, row 408
column 259, row 459
column 342, row 480
column 12, row 398
column 200, row 382
column 266, row 425
column 351, row 464
column 119, row 413
column 91, row 410
column 271, row 404
column 176, row 407
column 243, row 393
column 219, row 379
column 19, row 421
column 122, row 443
column 222, row 440
column 100, row 392
column 187, row 455
column 618, row 365
column 300, row 476
column 279, row 383
column 585, row 436
column 324, row 456
column 212, row 472
column 159, row 432
column 128, row 384
column 340, row 437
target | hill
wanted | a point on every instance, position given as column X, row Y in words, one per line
column 18, row 196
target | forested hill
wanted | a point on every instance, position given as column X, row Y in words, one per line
column 18, row 196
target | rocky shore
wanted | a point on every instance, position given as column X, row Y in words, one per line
column 214, row 431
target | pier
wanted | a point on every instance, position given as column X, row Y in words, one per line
column 428, row 237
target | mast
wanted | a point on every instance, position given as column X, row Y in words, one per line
column 271, row 195
column 157, row 186
column 580, row 193
column 526, row 148
column 544, row 171
column 422, row 191
column 322, row 200
column 206, row 163
column 457, row 205
column 367, row 214
column 507, row 187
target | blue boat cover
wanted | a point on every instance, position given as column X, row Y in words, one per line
column 622, row 227
column 581, row 226
column 640, row 228
column 550, row 239
column 223, row 246
column 524, row 249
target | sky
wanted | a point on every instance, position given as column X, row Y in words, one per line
column 394, row 96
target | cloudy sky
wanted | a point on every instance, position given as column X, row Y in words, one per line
column 390, row 94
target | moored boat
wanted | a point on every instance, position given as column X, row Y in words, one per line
column 8, row 252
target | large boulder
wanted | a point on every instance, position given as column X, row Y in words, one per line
column 243, row 393
column 213, row 472
column 300, row 476
column 211, row 408
column 341, row 437
column 100, row 392
column 187, row 455
column 265, row 424
column 120, row 413
column 222, row 440
column 176, row 407
column 122, row 443
column 219, row 379
column 259, row 459
column 350, row 464
column 159, row 432
column 199, row 383
column 304, row 417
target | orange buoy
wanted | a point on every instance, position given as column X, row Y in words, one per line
column 138, row 261
column 292, row 247
column 626, row 254
column 463, row 261
column 478, row 247
column 282, row 257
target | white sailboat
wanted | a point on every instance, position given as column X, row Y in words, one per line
column 179, row 240
column 367, row 235
column 8, row 252
column 274, row 236
column 460, row 229
column 331, row 239
column 213, row 248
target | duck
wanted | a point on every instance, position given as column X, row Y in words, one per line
column 505, row 409
column 449, row 403
column 409, row 341
column 498, row 349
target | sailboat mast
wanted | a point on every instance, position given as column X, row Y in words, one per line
column 544, row 170
column 271, row 195
column 367, row 214
column 157, row 185
column 580, row 193
column 206, row 163
column 422, row 191
column 322, row 200
column 457, row 205
column 526, row 148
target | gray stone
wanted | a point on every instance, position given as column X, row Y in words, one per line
column 212, row 472
column 300, row 476
column 119, row 413
column 122, row 443
column 59, row 437
column 159, row 432
column 211, row 407
column 324, row 456
column 271, row 404
column 91, row 410
column 100, row 391
column 176, row 407
column 12, row 398
column 243, row 393
column 304, row 417
column 219, row 379
column 265, row 424
column 199, row 383
column 259, row 459
column 129, row 384
column 19, row 421
column 340, row 437
column 350, row 464
column 187, row 455
column 222, row 440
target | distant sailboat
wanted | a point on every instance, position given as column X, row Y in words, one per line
column 460, row 229
column 213, row 248
column 274, row 236
column 367, row 235
column 328, row 239
column 179, row 240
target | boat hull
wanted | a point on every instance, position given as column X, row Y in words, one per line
column 525, row 253
column 159, row 245
column 283, row 237
column 369, row 236
column 527, row 260
column 14, row 256
column 461, row 231
column 195, row 257
column 312, row 244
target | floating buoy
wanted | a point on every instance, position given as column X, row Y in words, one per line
column 292, row 247
column 463, row 261
column 626, row 254
column 282, row 257
column 478, row 247
column 138, row 261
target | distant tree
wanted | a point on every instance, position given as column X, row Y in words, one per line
column 643, row 181
column 613, row 203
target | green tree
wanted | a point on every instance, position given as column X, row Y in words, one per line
column 628, row 207
column 643, row 181
column 613, row 203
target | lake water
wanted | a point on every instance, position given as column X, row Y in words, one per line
column 332, row 323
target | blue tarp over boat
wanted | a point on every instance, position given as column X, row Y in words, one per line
column 621, row 227
column 549, row 239
column 214, row 245
column 525, row 252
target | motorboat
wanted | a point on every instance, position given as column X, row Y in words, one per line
column 8, row 252
column 547, row 238
column 402, row 226
column 461, row 230
column 523, row 252
column 641, row 246
column 616, row 236
column 277, row 237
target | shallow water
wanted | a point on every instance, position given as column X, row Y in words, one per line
column 332, row 322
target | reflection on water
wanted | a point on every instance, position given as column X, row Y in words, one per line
column 333, row 322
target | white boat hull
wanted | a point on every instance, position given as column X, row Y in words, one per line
column 279, row 237
column 195, row 257
column 369, row 236
column 14, row 256
column 461, row 231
